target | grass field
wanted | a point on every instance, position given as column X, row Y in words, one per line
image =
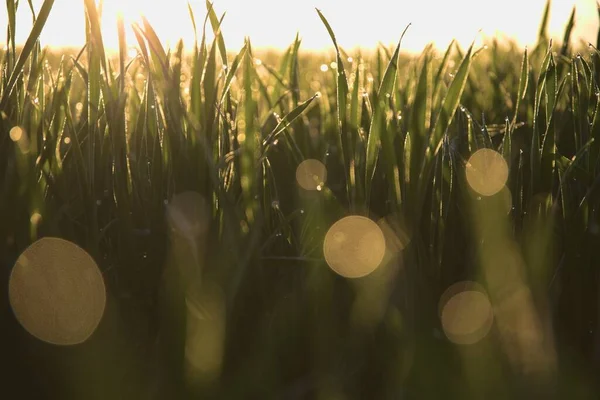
column 208, row 187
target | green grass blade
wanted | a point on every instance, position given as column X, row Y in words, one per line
column 523, row 82
column 28, row 47
column 378, row 135
column 216, row 25
column 451, row 101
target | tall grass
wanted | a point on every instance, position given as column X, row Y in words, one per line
column 107, row 142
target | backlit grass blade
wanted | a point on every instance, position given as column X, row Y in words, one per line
column 11, row 8
column 567, row 37
column 249, row 144
column 95, row 32
column 438, row 80
column 543, row 31
column 451, row 101
column 342, row 101
column 28, row 47
column 523, row 82
column 286, row 121
column 535, row 149
column 378, row 135
column 157, row 52
column 231, row 73
column 216, row 25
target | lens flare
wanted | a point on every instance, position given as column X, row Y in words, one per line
column 487, row 172
column 188, row 214
column 16, row 134
column 466, row 313
column 205, row 334
column 57, row 292
column 354, row 246
column 311, row 175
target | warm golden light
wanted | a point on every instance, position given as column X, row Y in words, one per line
column 311, row 175
column 487, row 172
column 354, row 246
column 57, row 292
column 466, row 313
column 16, row 134
column 205, row 334
column 188, row 214
column 353, row 22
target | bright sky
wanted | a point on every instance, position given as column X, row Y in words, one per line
column 274, row 23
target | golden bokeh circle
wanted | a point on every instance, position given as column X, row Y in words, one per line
column 466, row 313
column 188, row 214
column 16, row 133
column 487, row 172
column 57, row 292
column 311, row 174
column 354, row 246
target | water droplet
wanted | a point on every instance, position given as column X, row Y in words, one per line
column 301, row 211
column 324, row 67
column 275, row 204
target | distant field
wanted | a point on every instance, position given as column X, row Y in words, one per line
column 296, row 225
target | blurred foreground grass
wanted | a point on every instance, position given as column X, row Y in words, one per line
column 305, row 226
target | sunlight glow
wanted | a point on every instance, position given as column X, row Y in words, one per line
column 57, row 292
column 188, row 214
column 274, row 23
column 205, row 334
